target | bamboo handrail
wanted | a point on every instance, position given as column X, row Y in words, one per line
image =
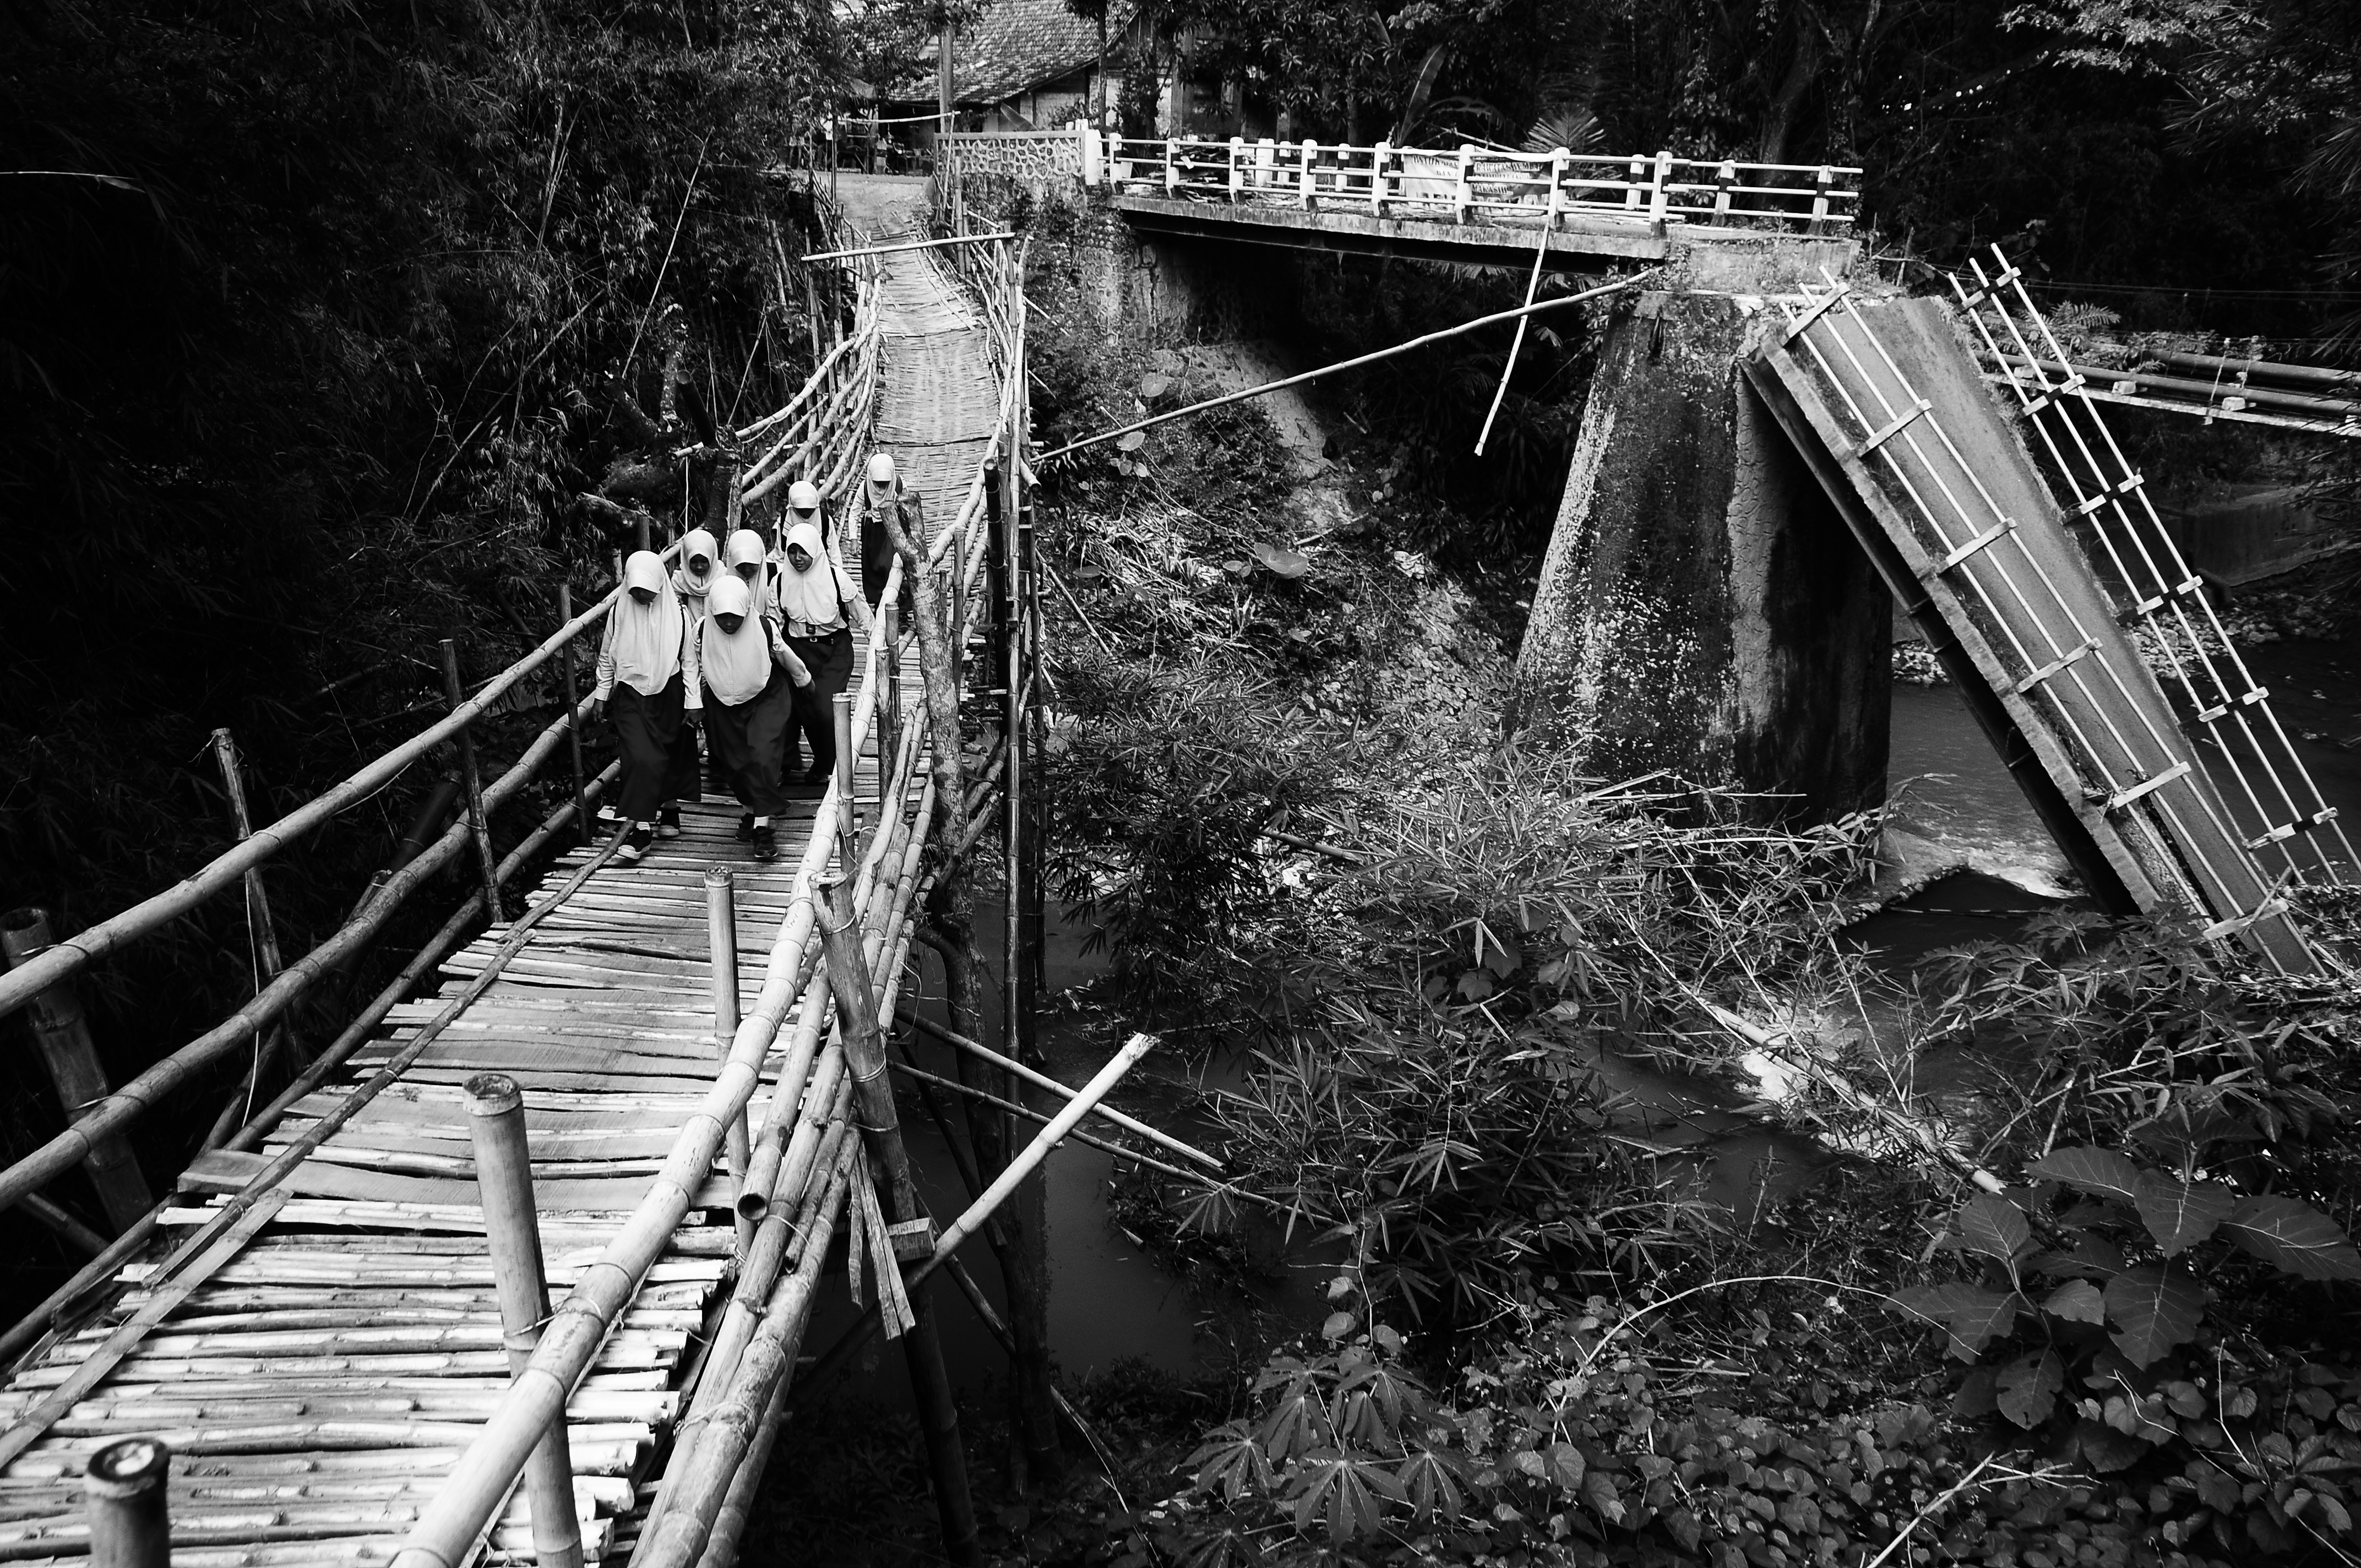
column 70, row 956
column 69, row 1148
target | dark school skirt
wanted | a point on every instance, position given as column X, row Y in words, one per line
column 830, row 659
column 749, row 742
column 647, row 728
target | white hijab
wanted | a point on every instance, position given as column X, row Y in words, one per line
column 737, row 664
column 810, row 595
column 645, row 638
column 689, row 582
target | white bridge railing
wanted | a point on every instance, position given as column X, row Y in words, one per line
column 1469, row 185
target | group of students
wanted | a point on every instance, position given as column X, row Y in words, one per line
column 749, row 643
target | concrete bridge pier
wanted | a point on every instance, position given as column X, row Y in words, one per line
column 1702, row 607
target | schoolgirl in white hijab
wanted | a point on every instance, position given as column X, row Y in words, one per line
column 749, row 675
column 640, row 689
column 700, row 562
column 819, row 609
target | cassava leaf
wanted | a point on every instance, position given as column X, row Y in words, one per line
column 2178, row 1214
column 2089, row 1170
column 2153, row 1310
column 1993, row 1227
column 2027, row 1387
column 2292, row 1237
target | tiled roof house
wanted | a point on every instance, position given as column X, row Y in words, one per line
column 1026, row 66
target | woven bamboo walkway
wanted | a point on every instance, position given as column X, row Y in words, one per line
column 318, row 1381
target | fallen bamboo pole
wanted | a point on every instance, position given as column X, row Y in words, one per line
column 933, row 1030
column 973, row 1219
column 1354, row 363
column 60, row 1032
column 920, row 1075
column 1509, row 366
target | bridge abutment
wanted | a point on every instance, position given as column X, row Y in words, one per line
column 1702, row 607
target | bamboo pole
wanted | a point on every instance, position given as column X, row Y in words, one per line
column 873, row 1104
column 125, row 1104
column 933, row 1030
column 921, row 1076
column 129, row 926
column 61, row 1033
column 512, row 1234
column 1509, row 366
column 976, row 1214
column 268, row 1042
column 848, row 812
column 908, row 244
column 124, row 1501
column 1398, row 348
column 70, row 1230
column 478, row 827
column 722, row 934
column 573, row 705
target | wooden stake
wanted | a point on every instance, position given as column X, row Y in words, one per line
column 873, row 1109
column 512, row 1234
column 721, row 933
column 573, row 706
column 123, row 1495
column 477, row 827
column 62, row 1032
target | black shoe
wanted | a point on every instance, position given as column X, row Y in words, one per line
column 608, row 816
column 745, row 827
column 767, row 843
column 637, row 843
column 668, row 822
column 818, row 775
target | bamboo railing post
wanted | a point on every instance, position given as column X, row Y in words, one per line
column 721, row 932
column 123, row 1502
column 266, row 934
column 1032, row 978
column 61, row 1031
column 889, row 712
column 873, row 1112
column 573, row 708
column 477, row 827
column 266, row 938
column 513, row 1235
column 849, row 818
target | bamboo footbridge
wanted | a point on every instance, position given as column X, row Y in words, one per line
column 337, row 1341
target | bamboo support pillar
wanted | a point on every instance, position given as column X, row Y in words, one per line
column 582, row 823
column 721, row 931
column 873, row 1112
column 62, row 1032
column 513, row 1235
column 124, row 1499
column 889, row 711
column 477, row 828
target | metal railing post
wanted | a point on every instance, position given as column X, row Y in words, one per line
column 513, row 1235
column 124, row 1503
column 486, row 861
column 62, row 1032
column 721, row 934
column 1657, row 195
